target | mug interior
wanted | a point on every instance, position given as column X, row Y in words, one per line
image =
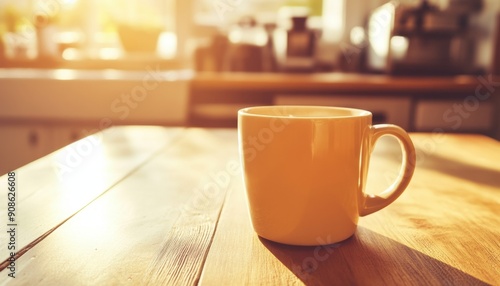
column 297, row 111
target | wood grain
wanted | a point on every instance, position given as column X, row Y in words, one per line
column 174, row 212
column 444, row 229
column 154, row 227
column 54, row 188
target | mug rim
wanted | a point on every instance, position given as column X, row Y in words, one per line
column 357, row 113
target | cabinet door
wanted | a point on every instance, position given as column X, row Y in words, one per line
column 21, row 144
column 460, row 115
column 65, row 135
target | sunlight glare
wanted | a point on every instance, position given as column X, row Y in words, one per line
column 83, row 172
column 167, row 45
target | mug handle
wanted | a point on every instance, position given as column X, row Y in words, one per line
column 373, row 203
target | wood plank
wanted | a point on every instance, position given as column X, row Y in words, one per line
column 54, row 188
column 153, row 227
column 450, row 213
column 237, row 255
column 443, row 230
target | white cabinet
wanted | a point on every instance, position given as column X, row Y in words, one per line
column 44, row 110
column 21, row 144
column 65, row 135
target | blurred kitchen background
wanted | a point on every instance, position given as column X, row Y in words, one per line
column 69, row 68
column 441, row 36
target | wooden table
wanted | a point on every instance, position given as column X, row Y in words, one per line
column 166, row 206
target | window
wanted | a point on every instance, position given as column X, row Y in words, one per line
column 88, row 29
column 82, row 30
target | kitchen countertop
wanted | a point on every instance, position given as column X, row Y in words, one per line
column 337, row 81
column 95, row 75
column 147, row 96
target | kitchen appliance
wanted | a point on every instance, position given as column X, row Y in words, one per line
column 247, row 45
column 294, row 42
column 423, row 38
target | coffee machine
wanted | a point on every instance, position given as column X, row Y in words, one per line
column 423, row 38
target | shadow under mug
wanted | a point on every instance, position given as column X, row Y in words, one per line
column 305, row 169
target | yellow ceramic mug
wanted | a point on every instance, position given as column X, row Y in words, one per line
column 305, row 169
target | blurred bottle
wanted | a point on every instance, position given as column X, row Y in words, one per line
column 295, row 44
column 247, row 46
column 46, row 33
